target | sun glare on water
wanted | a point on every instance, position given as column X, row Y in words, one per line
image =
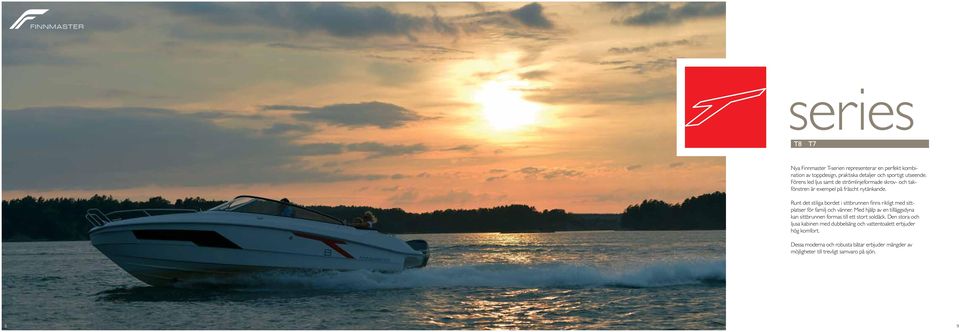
column 503, row 105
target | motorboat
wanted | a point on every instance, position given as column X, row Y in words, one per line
column 249, row 234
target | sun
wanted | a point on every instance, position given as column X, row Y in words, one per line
column 503, row 105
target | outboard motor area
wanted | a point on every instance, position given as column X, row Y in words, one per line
column 421, row 246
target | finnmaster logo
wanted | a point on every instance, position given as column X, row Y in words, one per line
column 31, row 14
column 725, row 107
column 27, row 15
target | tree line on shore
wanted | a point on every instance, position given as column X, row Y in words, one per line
column 703, row 212
column 33, row 219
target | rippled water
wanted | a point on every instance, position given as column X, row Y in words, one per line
column 566, row 280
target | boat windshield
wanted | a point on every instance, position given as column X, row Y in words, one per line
column 259, row 205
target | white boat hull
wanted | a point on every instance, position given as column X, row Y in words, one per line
column 165, row 250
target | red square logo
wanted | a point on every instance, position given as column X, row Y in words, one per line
column 725, row 107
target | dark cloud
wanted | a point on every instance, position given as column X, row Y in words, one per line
column 346, row 21
column 534, row 74
column 439, row 25
column 322, row 149
column 463, row 147
column 649, row 47
column 634, row 167
column 531, row 15
column 648, row 66
column 372, row 149
column 667, row 13
column 86, row 148
column 556, row 173
column 224, row 115
column 529, row 170
column 613, row 62
column 19, row 51
column 677, row 164
column 528, row 16
column 383, row 115
column 696, row 9
column 527, row 27
column 545, row 173
column 494, row 178
column 379, row 150
column 539, row 36
column 337, row 19
column 287, row 129
column 486, row 75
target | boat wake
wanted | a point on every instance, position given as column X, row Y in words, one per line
column 490, row 275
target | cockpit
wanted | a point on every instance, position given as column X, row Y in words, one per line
column 266, row 206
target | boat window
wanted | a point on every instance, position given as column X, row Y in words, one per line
column 256, row 205
column 233, row 204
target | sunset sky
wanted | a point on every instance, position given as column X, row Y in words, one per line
column 411, row 105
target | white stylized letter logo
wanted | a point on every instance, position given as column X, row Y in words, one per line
column 26, row 16
column 715, row 105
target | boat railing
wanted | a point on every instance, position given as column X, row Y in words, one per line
column 97, row 218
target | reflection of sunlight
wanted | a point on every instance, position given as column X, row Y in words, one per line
column 527, row 309
column 504, row 107
column 507, row 248
column 506, row 238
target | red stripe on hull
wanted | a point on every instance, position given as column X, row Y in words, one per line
column 334, row 244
